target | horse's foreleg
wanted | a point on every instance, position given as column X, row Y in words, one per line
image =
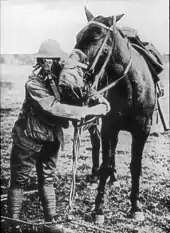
column 138, row 142
column 95, row 142
column 104, row 173
column 112, row 148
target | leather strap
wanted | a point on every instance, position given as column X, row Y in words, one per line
column 54, row 87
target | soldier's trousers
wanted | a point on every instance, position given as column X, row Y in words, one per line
column 23, row 160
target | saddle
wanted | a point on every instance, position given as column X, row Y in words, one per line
column 147, row 50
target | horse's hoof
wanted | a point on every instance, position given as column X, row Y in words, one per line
column 138, row 216
column 94, row 179
column 93, row 182
column 99, row 219
column 98, row 215
column 93, row 186
column 116, row 184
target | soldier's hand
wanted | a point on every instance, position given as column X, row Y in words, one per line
column 103, row 100
column 97, row 110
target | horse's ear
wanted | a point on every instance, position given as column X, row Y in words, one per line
column 118, row 17
column 88, row 14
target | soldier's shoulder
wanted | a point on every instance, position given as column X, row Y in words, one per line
column 32, row 76
column 34, row 80
column 31, row 79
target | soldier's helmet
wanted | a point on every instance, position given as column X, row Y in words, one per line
column 49, row 49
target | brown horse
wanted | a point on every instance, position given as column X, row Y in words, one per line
column 104, row 62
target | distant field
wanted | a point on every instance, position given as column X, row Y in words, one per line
column 13, row 77
column 155, row 186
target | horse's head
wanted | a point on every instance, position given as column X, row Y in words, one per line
column 89, row 58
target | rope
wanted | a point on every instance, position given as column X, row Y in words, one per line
column 76, row 147
column 92, row 227
column 33, row 224
column 76, row 151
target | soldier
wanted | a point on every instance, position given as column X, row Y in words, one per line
column 37, row 134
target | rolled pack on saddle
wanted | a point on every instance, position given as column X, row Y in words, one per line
column 147, row 50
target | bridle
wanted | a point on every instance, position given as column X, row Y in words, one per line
column 91, row 68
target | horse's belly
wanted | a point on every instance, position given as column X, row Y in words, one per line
column 117, row 120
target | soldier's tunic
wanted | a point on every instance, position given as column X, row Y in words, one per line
column 37, row 134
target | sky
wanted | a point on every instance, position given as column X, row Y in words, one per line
column 25, row 24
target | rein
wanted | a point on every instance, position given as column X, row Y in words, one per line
column 92, row 68
column 100, row 74
column 114, row 83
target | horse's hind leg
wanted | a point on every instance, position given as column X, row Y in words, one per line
column 95, row 141
column 138, row 141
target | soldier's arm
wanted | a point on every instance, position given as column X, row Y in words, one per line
column 48, row 103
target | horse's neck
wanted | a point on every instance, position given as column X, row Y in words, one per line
column 121, row 54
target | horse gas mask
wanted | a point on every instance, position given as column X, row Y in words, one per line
column 72, row 75
column 88, row 61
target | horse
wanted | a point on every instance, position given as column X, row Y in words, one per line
column 103, row 62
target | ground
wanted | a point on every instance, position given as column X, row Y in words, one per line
column 154, row 188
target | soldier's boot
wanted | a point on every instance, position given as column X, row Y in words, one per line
column 48, row 199
column 15, row 200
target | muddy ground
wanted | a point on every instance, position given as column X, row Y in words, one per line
column 155, row 180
